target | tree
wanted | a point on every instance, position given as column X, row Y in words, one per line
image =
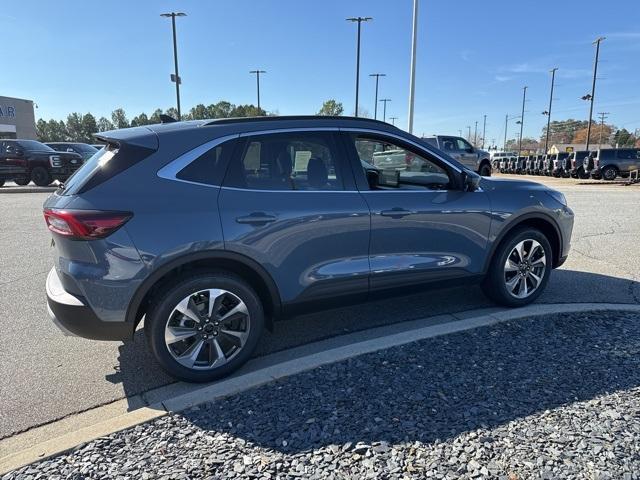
column 331, row 107
column 104, row 125
column 580, row 136
column 623, row 138
column 119, row 118
column 222, row 109
column 530, row 144
column 155, row 116
column 562, row 131
column 74, row 127
column 247, row 111
column 89, row 127
column 141, row 119
column 199, row 112
column 172, row 112
column 42, row 130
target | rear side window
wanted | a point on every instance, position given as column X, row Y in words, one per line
column 208, row 167
column 287, row 161
column 628, row 154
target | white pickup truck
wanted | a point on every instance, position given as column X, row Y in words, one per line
column 465, row 153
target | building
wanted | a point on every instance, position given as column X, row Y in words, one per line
column 575, row 147
column 17, row 118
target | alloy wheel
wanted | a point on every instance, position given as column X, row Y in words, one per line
column 525, row 268
column 207, row 329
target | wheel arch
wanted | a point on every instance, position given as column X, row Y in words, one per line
column 542, row 222
column 248, row 269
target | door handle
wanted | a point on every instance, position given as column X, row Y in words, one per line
column 396, row 213
column 256, row 218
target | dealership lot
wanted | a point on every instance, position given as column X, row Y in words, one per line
column 46, row 376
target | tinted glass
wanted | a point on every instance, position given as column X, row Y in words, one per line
column 33, row 145
column 628, row 154
column 288, row 161
column 415, row 171
column 207, row 167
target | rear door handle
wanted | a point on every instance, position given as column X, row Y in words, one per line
column 396, row 213
column 257, row 218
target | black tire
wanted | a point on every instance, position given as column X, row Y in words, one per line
column 494, row 285
column 609, row 173
column 164, row 303
column 485, row 170
column 22, row 181
column 41, row 177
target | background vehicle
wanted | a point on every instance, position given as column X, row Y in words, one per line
column 301, row 220
column 43, row 164
column 391, row 159
column 471, row 157
column 12, row 162
column 558, row 163
column 539, row 164
column 609, row 163
column 498, row 157
column 84, row 150
column 576, row 160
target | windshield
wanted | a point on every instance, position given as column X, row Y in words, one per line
column 33, row 145
column 99, row 159
column 84, row 148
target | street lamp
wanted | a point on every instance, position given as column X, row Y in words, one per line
column 521, row 121
column 175, row 77
column 593, row 89
column 548, row 112
column 412, row 71
column 375, row 107
column 257, row 73
column 384, row 110
column 359, row 20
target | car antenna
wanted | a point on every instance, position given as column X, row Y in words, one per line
column 167, row 118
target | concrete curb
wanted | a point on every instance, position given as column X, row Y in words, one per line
column 261, row 371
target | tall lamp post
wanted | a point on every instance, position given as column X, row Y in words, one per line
column 384, row 108
column 593, row 89
column 359, row 20
column 524, row 98
column 548, row 112
column 175, row 77
column 412, row 71
column 375, row 105
column 257, row 74
column 484, row 129
column 469, row 133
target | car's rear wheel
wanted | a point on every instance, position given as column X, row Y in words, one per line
column 205, row 326
column 520, row 268
column 485, row 170
column 41, row 176
column 22, row 181
column 609, row 172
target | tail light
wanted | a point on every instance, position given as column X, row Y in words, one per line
column 84, row 224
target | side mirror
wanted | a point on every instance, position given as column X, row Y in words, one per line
column 470, row 181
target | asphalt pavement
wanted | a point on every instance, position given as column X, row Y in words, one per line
column 45, row 376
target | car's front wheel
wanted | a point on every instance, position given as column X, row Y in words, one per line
column 520, row 268
column 205, row 326
column 609, row 172
column 41, row 177
column 485, row 170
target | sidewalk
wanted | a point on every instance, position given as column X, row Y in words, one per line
column 548, row 397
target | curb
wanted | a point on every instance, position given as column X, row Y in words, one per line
column 263, row 370
column 27, row 189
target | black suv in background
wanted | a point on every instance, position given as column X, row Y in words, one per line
column 84, row 150
column 11, row 165
column 609, row 163
column 576, row 164
column 42, row 164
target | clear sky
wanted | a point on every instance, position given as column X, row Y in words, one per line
column 473, row 57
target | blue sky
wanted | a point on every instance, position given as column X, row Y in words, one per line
column 473, row 57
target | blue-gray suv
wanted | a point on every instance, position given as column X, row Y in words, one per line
column 208, row 231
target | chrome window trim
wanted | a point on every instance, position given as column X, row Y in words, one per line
column 288, row 130
column 288, row 191
column 171, row 169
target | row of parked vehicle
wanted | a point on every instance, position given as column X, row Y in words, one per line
column 604, row 163
column 25, row 161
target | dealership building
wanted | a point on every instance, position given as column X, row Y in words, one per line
column 17, row 118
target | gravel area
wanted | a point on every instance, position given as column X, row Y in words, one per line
column 550, row 397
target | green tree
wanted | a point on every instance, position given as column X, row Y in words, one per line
column 222, row 109
column 42, row 130
column 119, row 118
column 172, row 112
column 104, row 125
column 623, row 138
column 141, row 119
column 331, row 107
column 89, row 127
column 155, row 116
column 562, row 131
column 247, row 111
column 199, row 112
column 74, row 127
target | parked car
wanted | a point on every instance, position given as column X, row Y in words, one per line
column 273, row 216
column 558, row 163
column 576, row 160
column 12, row 162
column 498, row 157
column 457, row 147
column 539, row 164
column 609, row 163
column 391, row 159
column 84, row 150
column 504, row 163
column 529, row 164
column 43, row 164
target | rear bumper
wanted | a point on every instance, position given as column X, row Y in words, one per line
column 74, row 317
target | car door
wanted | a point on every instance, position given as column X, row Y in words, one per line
column 424, row 228
column 467, row 154
column 289, row 202
column 627, row 159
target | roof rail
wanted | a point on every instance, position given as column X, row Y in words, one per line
column 273, row 118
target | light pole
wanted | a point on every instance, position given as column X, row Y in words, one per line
column 412, row 72
column 359, row 20
column 175, row 77
column 393, row 120
column 469, row 133
column 384, row 108
column 475, row 135
column 593, row 89
column 375, row 105
column 257, row 73
column 524, row 97
column 506, row 125
column 484, row 129
column 548, row 112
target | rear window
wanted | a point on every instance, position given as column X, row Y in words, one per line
column 103, row 165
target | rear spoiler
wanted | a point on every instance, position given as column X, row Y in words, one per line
column 137, row 136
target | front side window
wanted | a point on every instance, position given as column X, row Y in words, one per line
column 287, row 161
column 463, row 145
column 390, row 166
